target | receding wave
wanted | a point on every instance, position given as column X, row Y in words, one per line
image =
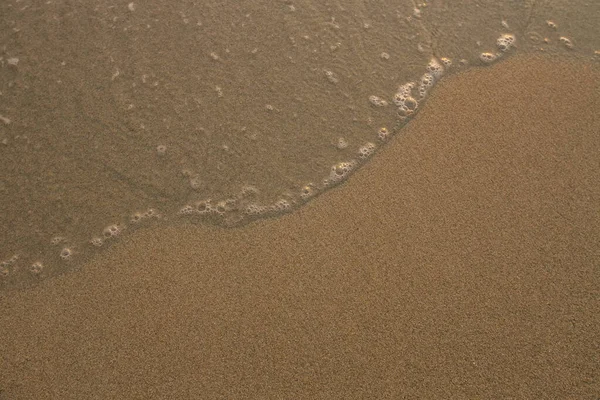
column 115, row 117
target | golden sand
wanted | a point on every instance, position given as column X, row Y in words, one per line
column 462, row 262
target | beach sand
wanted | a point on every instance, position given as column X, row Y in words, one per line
column 461, row 262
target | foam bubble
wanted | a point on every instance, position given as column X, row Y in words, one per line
column 366, row 150
column 488, row 58
column 377, row 101
column 339, row 172
column 404, row 91
column 435, row 68
column 425, row 84
column 446, row 62
column 383, row 134
column 566, row 42
column 57, row 240
column 281, row 206
column 255, row 209
column 161, row 149
column 136, row 217
column 112, row 231
column 307, row 191
column 186, row 210
column 505, row 42
column 66, row 253
column 404, row 100
column 202, row 207
column 97, row 241
column 221, row 207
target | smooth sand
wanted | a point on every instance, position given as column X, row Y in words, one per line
column 462, row 262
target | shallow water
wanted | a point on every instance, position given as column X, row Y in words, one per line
column 116, row 116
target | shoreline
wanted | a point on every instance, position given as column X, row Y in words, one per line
column 460, row 260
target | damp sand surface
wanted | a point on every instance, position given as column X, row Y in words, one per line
column 116, row 117
column 461, row 262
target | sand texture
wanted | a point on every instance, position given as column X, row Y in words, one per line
column 461, row 262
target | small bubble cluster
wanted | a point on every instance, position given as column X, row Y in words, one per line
column 505, row 42
column 209, row 207
column 407, row 104
column 366, row 150
column 187, row 210
column 446, row 62
column 97, row 241
column 339, row 172
column 435, row 68
column 434, row 71
column 425, row 84
column 281, row 206
column 383, row 134
column 377, row 101
column 139, row 216
column 200, row 207
column 57, row 240
column 307, row 191
column 488, row 58
column 136, row 217
column 112, row 231
column 566, row 42
column 224, row 206
column 255, row 209
column 66, row 253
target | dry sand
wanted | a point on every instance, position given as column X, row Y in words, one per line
column 462, row 262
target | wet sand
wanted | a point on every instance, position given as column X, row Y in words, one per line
column 461, row 262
